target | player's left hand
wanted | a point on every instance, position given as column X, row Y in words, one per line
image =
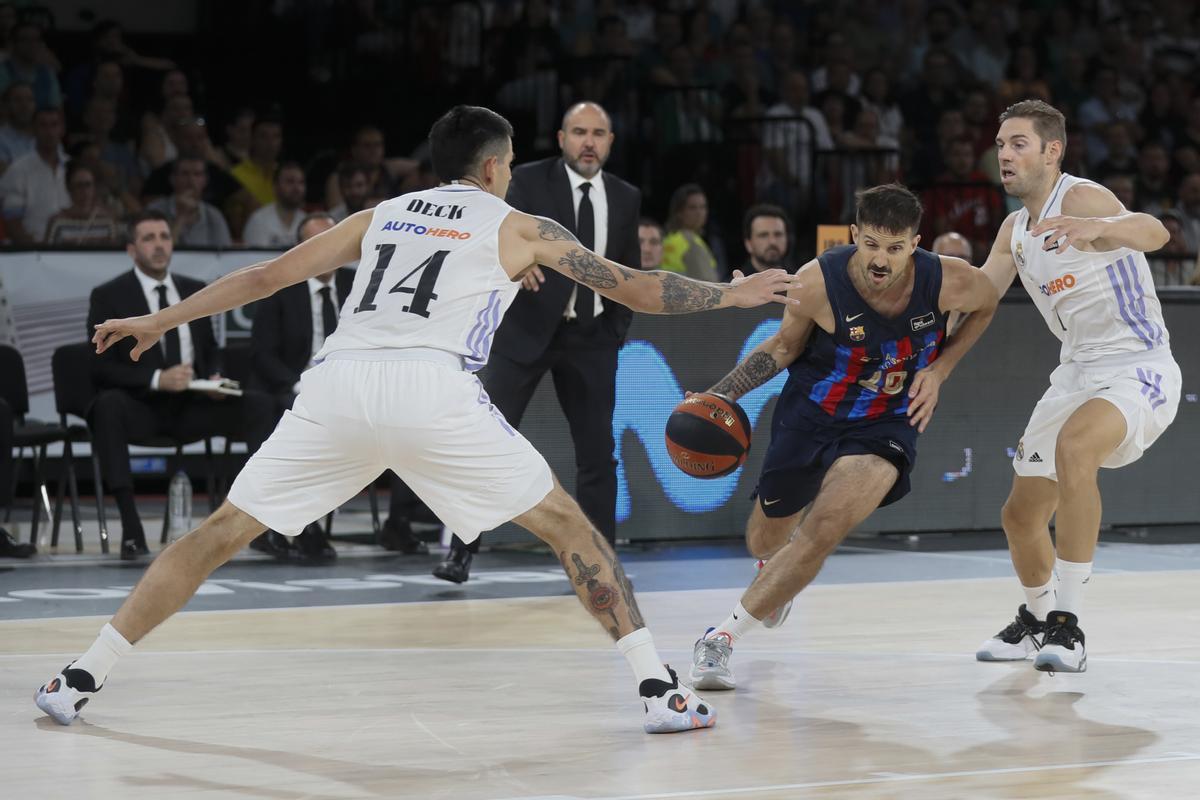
column 923, row 397
column 145, row 329
column 1064, row 232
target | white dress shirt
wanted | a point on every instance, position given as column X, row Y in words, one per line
column 150, row 289
column 600, row 208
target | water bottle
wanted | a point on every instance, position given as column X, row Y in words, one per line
column 179, row 505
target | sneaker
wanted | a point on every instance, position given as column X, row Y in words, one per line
column 65, row 694
column 776, row 617
column 710, row 662
column 1062, row 648
column 671, row 708
column 1017, row 642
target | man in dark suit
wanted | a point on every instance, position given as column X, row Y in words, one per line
column 139, row 400
column 566, row 329
column 289, row 329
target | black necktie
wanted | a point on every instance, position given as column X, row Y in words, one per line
column 585, row 226
column 171, row 350
column 328, row 312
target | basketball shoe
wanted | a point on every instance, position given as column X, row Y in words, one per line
column 776, row 617
column 1062, row 649
column 1017, row 642
column 710, row 662
column 671, row 708
column 66, row 693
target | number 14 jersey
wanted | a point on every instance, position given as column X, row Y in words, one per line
column 429, row 276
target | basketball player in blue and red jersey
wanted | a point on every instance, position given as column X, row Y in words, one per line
column 866, row 352
column 1081, row 255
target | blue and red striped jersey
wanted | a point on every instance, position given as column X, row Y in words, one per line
column 863, row 370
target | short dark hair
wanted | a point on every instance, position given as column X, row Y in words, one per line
column 648, row 222
column 348, row 169
column 679, row 199
column 287, row 165
column 147, row 215
column 74, row 167
column 763, row 210
column 462, row 137
column 1048, row 122
column 891, row 208
column 181, row 159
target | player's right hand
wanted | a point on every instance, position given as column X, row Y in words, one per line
column 768, row 286
column 144, row 328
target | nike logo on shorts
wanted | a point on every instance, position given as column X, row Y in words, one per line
column 770, row 502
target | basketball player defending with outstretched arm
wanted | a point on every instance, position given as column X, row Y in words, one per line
column 1080, row 255
column 394, row 388
column 844, row 433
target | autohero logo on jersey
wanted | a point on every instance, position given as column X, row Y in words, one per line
column 1051, row 288
column 430, row 210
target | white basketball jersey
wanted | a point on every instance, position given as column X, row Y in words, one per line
column 430, row 276
column 1099, row 305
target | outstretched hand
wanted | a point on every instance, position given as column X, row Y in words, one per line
column 768, row 286
column 1063, row 232
column 144, row 329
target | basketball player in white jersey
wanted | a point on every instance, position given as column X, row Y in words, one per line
column 1080, row 255
column 394, row 387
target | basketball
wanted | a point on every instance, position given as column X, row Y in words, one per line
column 708, row 435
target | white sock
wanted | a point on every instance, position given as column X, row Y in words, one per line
column 639, row 650
column 1072, row 575
column 737, row 624
column 103, row 654
column 1040, row 600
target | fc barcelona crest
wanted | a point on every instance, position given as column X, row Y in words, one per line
column 858, row 333
column 1020, row 255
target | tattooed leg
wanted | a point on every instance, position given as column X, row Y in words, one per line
column 596, row 575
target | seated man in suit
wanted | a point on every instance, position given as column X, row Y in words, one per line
column 289, row 328
column 139, row 400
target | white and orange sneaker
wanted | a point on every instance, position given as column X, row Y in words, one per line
column 66, row 694
column 671, row 708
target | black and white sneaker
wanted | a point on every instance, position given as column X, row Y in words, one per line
column 66, row 694
column 1017, row 642
column 1063, row 648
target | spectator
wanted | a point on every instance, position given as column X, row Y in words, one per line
column 354, row 186
column 99, row 121
column 276, row 225
column 110, row 194
column 1070, row 82
column 1123, row 187
column 877, row 95
column 16, row 134
column 1122, row 154
column 1189, row 210
column 935, row 93
column 149, row 397
column 159, row 143
column 1102, row 107
column 85, row 221
column 1154, row 189
column 34, row 187
column 25, row 64
column 684, row 249
column 650, row 243
column 384, row 175
column 929, row 159
column 953, row 244
column 194, row 222
column 256, row 173
column 1160, row 120
column 963, row 199
column 193, row 142
column 237, row 138
column 765, row 237
column 792, row 133
column 1175, row 263
column 1024, row 81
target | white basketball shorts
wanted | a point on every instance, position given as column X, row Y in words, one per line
column 1146, row 391
column 430, row 422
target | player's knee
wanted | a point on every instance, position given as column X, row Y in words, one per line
column 1075, row 460
column 825, row 529
column 1022, row 518
column 557, row 520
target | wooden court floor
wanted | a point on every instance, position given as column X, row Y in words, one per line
column 868, row 691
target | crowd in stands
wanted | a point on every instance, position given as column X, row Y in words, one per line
column 721, row 103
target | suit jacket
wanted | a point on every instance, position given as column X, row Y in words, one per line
column 281, row 339
column 542, row 188
column 122, row 297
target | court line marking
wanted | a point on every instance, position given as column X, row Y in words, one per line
column 892, row 779
column 891, row 655
column 1001, row 558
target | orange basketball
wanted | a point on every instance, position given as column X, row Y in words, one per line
column 708, row 435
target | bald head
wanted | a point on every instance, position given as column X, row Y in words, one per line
column 586, row 138
column 953, row 244
column 312, row 225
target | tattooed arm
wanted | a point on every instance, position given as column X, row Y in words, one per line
column 777, row 352
column 527, row 240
